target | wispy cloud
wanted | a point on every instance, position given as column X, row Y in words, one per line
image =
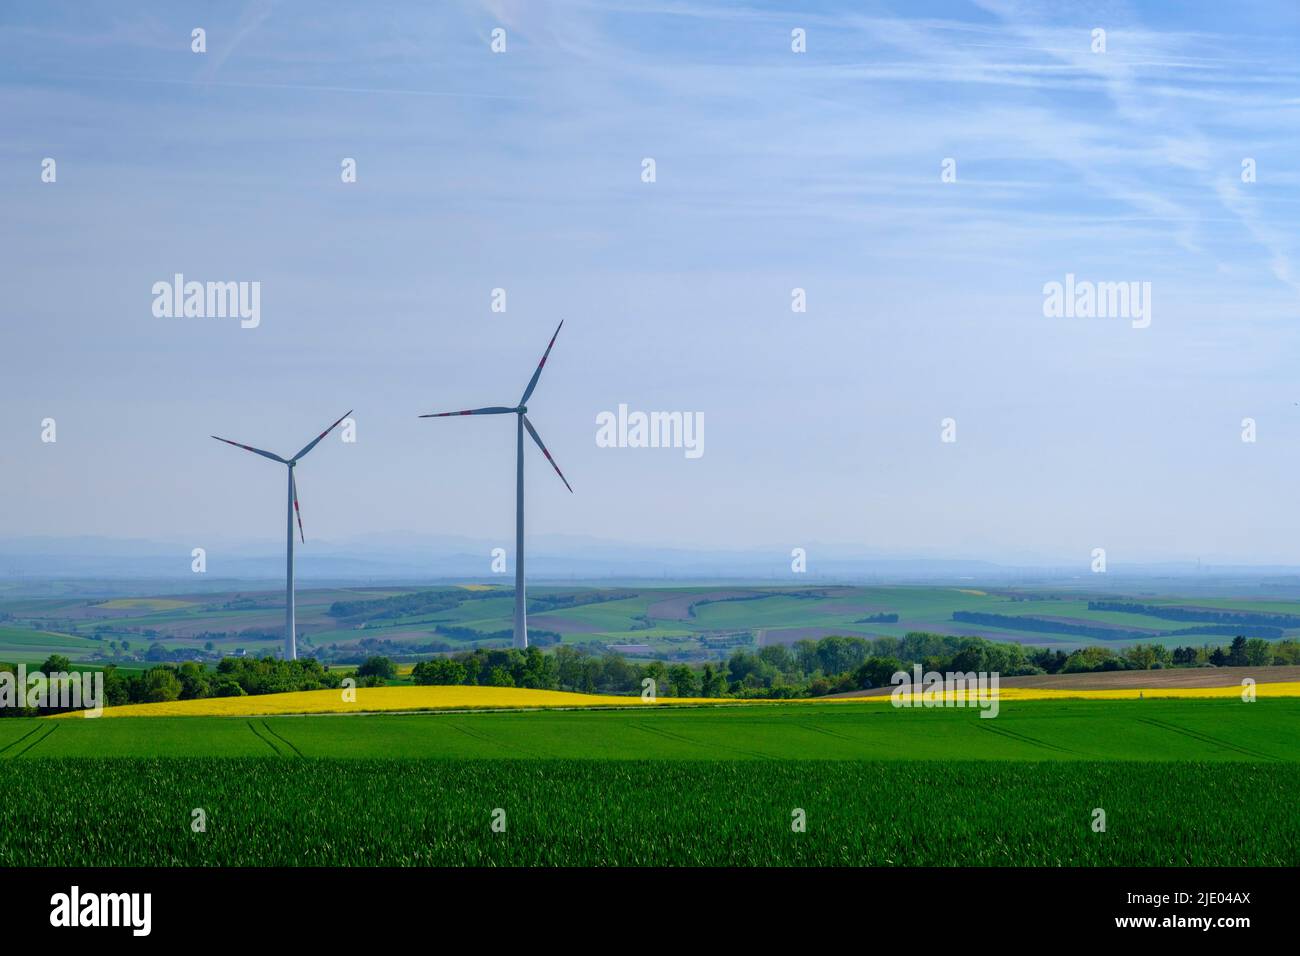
column 775, row 170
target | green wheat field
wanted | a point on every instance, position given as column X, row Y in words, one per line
column 1181, row 782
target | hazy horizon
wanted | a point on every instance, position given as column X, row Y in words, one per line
column 404, row 558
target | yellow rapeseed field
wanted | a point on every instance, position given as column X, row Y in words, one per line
column 144, row 604
column 377, row 699
column 467, row 698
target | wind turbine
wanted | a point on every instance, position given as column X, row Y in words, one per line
column 290, row 639
column 521, row 423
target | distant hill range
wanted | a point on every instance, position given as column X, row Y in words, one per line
column 404, row 558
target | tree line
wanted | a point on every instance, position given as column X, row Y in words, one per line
column 805, row 668
column 810, row 668
column 231, row 677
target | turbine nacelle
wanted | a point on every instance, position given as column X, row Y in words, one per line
column 521, row 409
column 291, row 463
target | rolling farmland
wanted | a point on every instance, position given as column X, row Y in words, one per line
column 1181, row 782
column 675, row 623
column 1187, row 774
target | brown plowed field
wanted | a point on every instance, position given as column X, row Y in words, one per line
column 1173, row 677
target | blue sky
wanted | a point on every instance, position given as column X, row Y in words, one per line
column 774, row 170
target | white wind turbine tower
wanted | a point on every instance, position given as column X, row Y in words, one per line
column 521, row 423
column 290, row 637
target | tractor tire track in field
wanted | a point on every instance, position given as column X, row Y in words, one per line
column 258, row 734
column 828, row 732
column 15, row 743
column 1206, row 738
column 1026, row 739
column 39, row 740
column 287, row 743
column 495, row 742
column 669, row 735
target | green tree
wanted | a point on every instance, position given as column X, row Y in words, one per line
column 194, row 681
column 658, row 673
column 1287, row 651
column 540, row 671
column 227, row 686
column 839, row 654
column 1090, row 658
column 117, row 689
column 440, row 670
column 56, row 664
column 805, row 652
column 1237, row 653
column 381, row 667
column 743, row 668
column 780, row 657
column 683, row 681
column 591, row 672
column 877, row 672
column 617, row 675
column 1259, row 652
column 710, row 682
column 161, row 684
column 1140, row 656
column 568, row 666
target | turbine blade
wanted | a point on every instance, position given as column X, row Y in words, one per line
column 490, row 410
column 255, row 451
column 296, row 512
column 537, row 438
column 532, row 382
column 317, row 439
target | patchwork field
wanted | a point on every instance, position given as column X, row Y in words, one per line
column 1180, row 782
column 675, row 623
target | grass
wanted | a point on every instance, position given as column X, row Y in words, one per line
column 321, row 812
column 23, row 638
column 1148, row 730
column 20, row 645
column 1182, row 782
